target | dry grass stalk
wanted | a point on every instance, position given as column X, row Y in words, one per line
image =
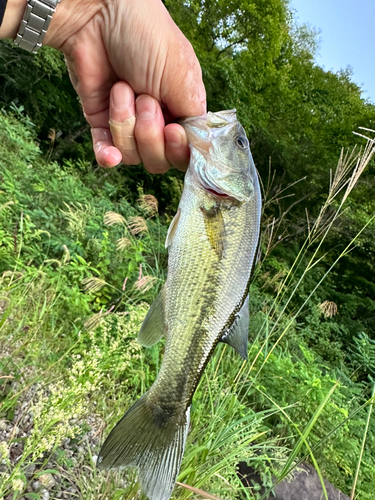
column 124, row 284
column 66, row 257
column 113, row 218
column 123, row 243
column 137, row 225
column 149, row 204
column 93, row 284
column 349, row 169
column 272, row 195
column 362, row 163
column 328, row 308
column 198, row 491
column 145, row 283
column 52, row 135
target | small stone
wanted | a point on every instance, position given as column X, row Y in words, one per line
column 44, row 495
column 29, row 470
column 47, row 481
column 66, row 442
column 36, row 485
column 59, row 494
column 3, row 425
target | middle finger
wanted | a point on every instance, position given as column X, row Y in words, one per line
column 149, row 133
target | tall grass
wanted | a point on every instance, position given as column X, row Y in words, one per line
column 70, row 366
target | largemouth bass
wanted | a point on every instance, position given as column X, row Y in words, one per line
column 212, row 241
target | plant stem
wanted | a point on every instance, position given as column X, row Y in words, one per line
column 363, row 443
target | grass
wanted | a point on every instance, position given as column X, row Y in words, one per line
column 70, row 366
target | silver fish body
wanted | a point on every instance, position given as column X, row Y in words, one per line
column 212, row 242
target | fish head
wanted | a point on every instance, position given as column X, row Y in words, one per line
column 221, row 160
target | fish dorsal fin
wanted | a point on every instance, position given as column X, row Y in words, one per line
column 172, row 228
column 238, row 333
column 153, row 326
column 215, row 229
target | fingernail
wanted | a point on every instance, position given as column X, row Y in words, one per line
column 175, row 139
column 122, row 96
column 146, row 107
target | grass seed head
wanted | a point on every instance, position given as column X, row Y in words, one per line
column 137, row 225
column 93, row 322
column 145, row 283
column 149, row 204
column 328, row 308
column 123, row 243
column 113, row 218
column 93, row 284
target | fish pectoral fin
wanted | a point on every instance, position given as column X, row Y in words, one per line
column 172, row 228
column 153, row 326
column 215, row 229
column 237, row 335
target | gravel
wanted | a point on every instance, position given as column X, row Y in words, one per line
column 47, row 485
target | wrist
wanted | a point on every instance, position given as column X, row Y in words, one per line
column 69, row 18
column 14, row 12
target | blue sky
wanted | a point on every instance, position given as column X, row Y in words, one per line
column 347, row 36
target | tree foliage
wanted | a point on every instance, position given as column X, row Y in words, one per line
column 298, row 117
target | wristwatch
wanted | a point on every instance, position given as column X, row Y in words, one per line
column 35, row 23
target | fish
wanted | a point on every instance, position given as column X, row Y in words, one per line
column 212, row 245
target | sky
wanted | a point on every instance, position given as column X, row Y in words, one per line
column 347, row 36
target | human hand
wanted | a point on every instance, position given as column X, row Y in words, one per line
column 117, row 50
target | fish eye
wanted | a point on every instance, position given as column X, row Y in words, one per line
column 241, row 142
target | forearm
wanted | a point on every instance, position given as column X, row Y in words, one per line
column 12, row 18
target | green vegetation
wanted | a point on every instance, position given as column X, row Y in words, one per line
column 82, row 256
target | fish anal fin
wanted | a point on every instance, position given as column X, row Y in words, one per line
column 153, row 326
column 237, row 335
column 215, row 229
column 172, row 228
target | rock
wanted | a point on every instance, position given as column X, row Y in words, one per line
column 305, row 484
column 47, row 481
column 29, row 470
column 66, row 442
column 44, row 495
column 3, row 425
column 36, row 485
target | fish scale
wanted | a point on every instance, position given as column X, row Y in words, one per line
column 212, row 243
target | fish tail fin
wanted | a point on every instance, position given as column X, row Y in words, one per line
column 151, row 441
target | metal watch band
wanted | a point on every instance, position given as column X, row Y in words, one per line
column 35, row 23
